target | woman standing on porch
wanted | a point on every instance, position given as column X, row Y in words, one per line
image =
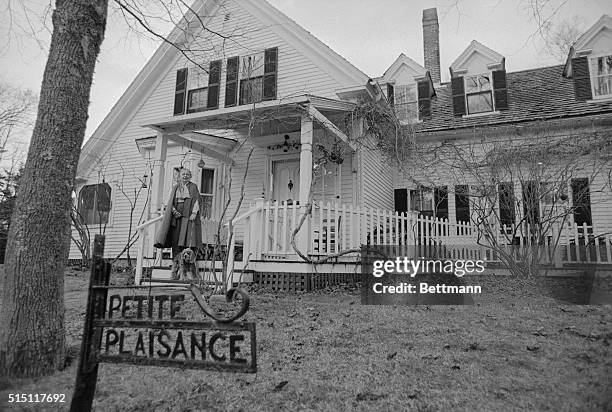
column 181, row 226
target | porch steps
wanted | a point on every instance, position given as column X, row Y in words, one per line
column 156, row 274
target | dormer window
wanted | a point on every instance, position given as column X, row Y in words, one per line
column 411, row 102
column 478, row 94
column 589, row 62
column 404, row 101
column 478, row 81
column 601, row 75
column 481, row 93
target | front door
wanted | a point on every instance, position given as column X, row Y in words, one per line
column 286, row 181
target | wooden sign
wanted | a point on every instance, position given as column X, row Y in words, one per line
column 136, row 325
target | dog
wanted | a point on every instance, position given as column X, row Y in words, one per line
column 187, row 269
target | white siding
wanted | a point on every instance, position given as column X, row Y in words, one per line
column 376, row 177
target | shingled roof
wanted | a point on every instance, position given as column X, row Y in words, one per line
column 536, row 94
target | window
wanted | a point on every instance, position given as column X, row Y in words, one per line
column 421, row 200
column 197, row 89
column 95, row 203
column 251, row 90
column 462, row 203
column 481, row 93
column 430, row 202
column 478, row 93
column 405, row 102
column 581, row 199
column 601, row 74
column 258, row 76
column 207, row 188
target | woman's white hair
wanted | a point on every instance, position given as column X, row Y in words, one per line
column 185, row 169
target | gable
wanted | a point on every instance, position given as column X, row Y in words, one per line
column 601, row 42
column 476, row 59
column 404, row 70
column 305, row 66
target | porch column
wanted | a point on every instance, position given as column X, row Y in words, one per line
column 306, row 135
column 305, row 158
column 159, row 174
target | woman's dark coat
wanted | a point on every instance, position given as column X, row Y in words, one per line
column 191, row 230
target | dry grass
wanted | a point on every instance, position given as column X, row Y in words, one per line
column 325, row 351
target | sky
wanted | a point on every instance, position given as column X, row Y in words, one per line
column 368, row 33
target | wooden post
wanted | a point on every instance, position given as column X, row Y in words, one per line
column 87, row 372
column 306, row 137
column 159, row 174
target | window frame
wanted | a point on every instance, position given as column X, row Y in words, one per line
column 263, row 74
column 412, row 105
column 109, row 217
column 593, row 76
column 490, row 91
column 190, row 91
column 212, row 195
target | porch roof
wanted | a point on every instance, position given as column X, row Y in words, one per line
column 240, row 116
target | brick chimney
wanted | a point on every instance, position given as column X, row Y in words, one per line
column 431, row 43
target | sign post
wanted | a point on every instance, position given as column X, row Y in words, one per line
column 87, row 372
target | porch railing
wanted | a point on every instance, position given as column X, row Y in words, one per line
column 265, row 231
column 328, row 230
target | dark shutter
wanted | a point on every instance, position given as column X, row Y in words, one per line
column 500, row 88
column 270, row 73
column 390, row 94
column 424, row 99
column 458, row 90
column 214, row 79
column 231, row 82
column 181, row 91
column 581, row 198
column 400, row 197
column 582, row 79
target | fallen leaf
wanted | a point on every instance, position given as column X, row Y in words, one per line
column 391, row 355
column 280, row 386
column 533, row 348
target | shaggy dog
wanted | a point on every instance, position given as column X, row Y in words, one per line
column 187, row 269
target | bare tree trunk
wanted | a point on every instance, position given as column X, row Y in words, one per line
column 32, row 336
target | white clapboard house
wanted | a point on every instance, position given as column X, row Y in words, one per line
column 285, row 95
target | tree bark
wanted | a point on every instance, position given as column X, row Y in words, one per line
column 32, row 339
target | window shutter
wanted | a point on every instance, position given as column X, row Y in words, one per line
column 458, row 90
column 214, row 79
column 270, row 73
column 231, row 82
column 390, row 94
column 181, row 91
column 500, row 88
column 582, row 79
column 424, row 97
column 401, row 200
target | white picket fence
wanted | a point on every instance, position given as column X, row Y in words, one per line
column 333, row 229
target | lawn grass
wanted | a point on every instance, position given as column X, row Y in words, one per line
column 325, row 351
